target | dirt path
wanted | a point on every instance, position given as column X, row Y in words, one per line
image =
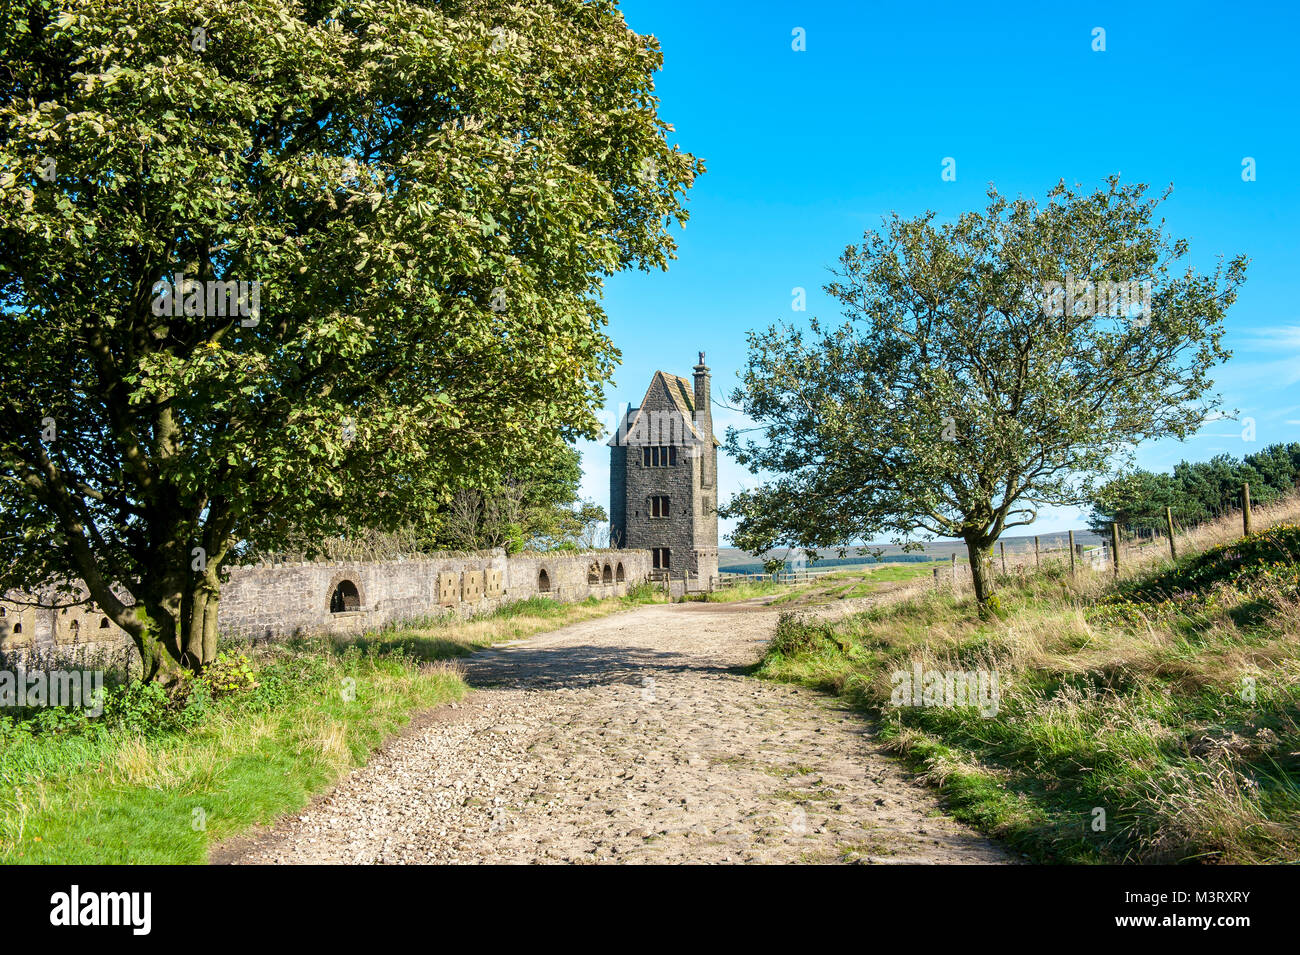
column 632, row 738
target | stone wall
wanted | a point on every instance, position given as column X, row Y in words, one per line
column 272, row 601
column 25, row 628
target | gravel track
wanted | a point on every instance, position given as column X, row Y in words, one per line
column 631, row 738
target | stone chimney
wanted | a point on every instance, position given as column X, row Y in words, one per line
column 703, row 400
column 704, row 424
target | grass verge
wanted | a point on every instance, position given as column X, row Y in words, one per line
column 160, row 776
column 745, row 591
column 442, row 638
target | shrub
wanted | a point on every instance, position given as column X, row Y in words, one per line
column 795, row 635
column 151, row 709
column 229, row 673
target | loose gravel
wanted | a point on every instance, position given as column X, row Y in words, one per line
column 632, row 738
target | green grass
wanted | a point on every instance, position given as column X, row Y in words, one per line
column 146, row 784
column 1132, row 699
column 443, row 638
column 852, row 584
column 107, row 795
column 745, row 591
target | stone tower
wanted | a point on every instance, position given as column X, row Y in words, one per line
column 663, row 477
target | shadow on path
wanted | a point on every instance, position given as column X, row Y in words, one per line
column 582, row 665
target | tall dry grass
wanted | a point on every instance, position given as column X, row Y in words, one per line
column 1166, row 699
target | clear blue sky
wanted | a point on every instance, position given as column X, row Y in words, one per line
column 805, row 150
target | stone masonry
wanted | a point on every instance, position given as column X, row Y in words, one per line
column 270, row 601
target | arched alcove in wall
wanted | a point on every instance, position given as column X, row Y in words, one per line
column 345, row 597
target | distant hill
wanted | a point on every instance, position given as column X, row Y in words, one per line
column 733, row 560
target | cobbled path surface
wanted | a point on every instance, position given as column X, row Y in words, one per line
column 634, row 738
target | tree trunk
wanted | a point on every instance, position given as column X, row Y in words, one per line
column 979, row 552
column 199, row 624
column 159, row 656
column 177, row 629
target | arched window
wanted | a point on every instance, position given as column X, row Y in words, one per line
column 18, row 628
column 608, row 576
column 619, row 575
column 543, row 582
column 103, row 624
column 345, row 597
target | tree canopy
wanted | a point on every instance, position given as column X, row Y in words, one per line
column 1198, row 491
column 984, row 369
column 420, row 201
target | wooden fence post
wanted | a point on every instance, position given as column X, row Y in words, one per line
column 1169, row 522
column 954, row 572
column 1245, row 508
column 1002, row 548
column 1071, row 553
column 1037, row 562
column 936, row 578
column 1114, row 546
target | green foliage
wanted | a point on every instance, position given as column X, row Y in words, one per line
column 1250, row 578
column 532, row 507
column 229, row 673
column 644, row 592
column 150, row 709
column 794, row 635
column 1196, row 492
column 742, row 591
column 153, row 709
column 949, row 402
column 991, row 608
column 429, row 197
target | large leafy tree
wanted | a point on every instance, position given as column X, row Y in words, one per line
column 963, row 393
column 427, row 194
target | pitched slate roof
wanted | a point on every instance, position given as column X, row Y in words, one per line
column 681, row 391
column 680, row 394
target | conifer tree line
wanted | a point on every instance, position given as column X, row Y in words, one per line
column 1198, row 491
